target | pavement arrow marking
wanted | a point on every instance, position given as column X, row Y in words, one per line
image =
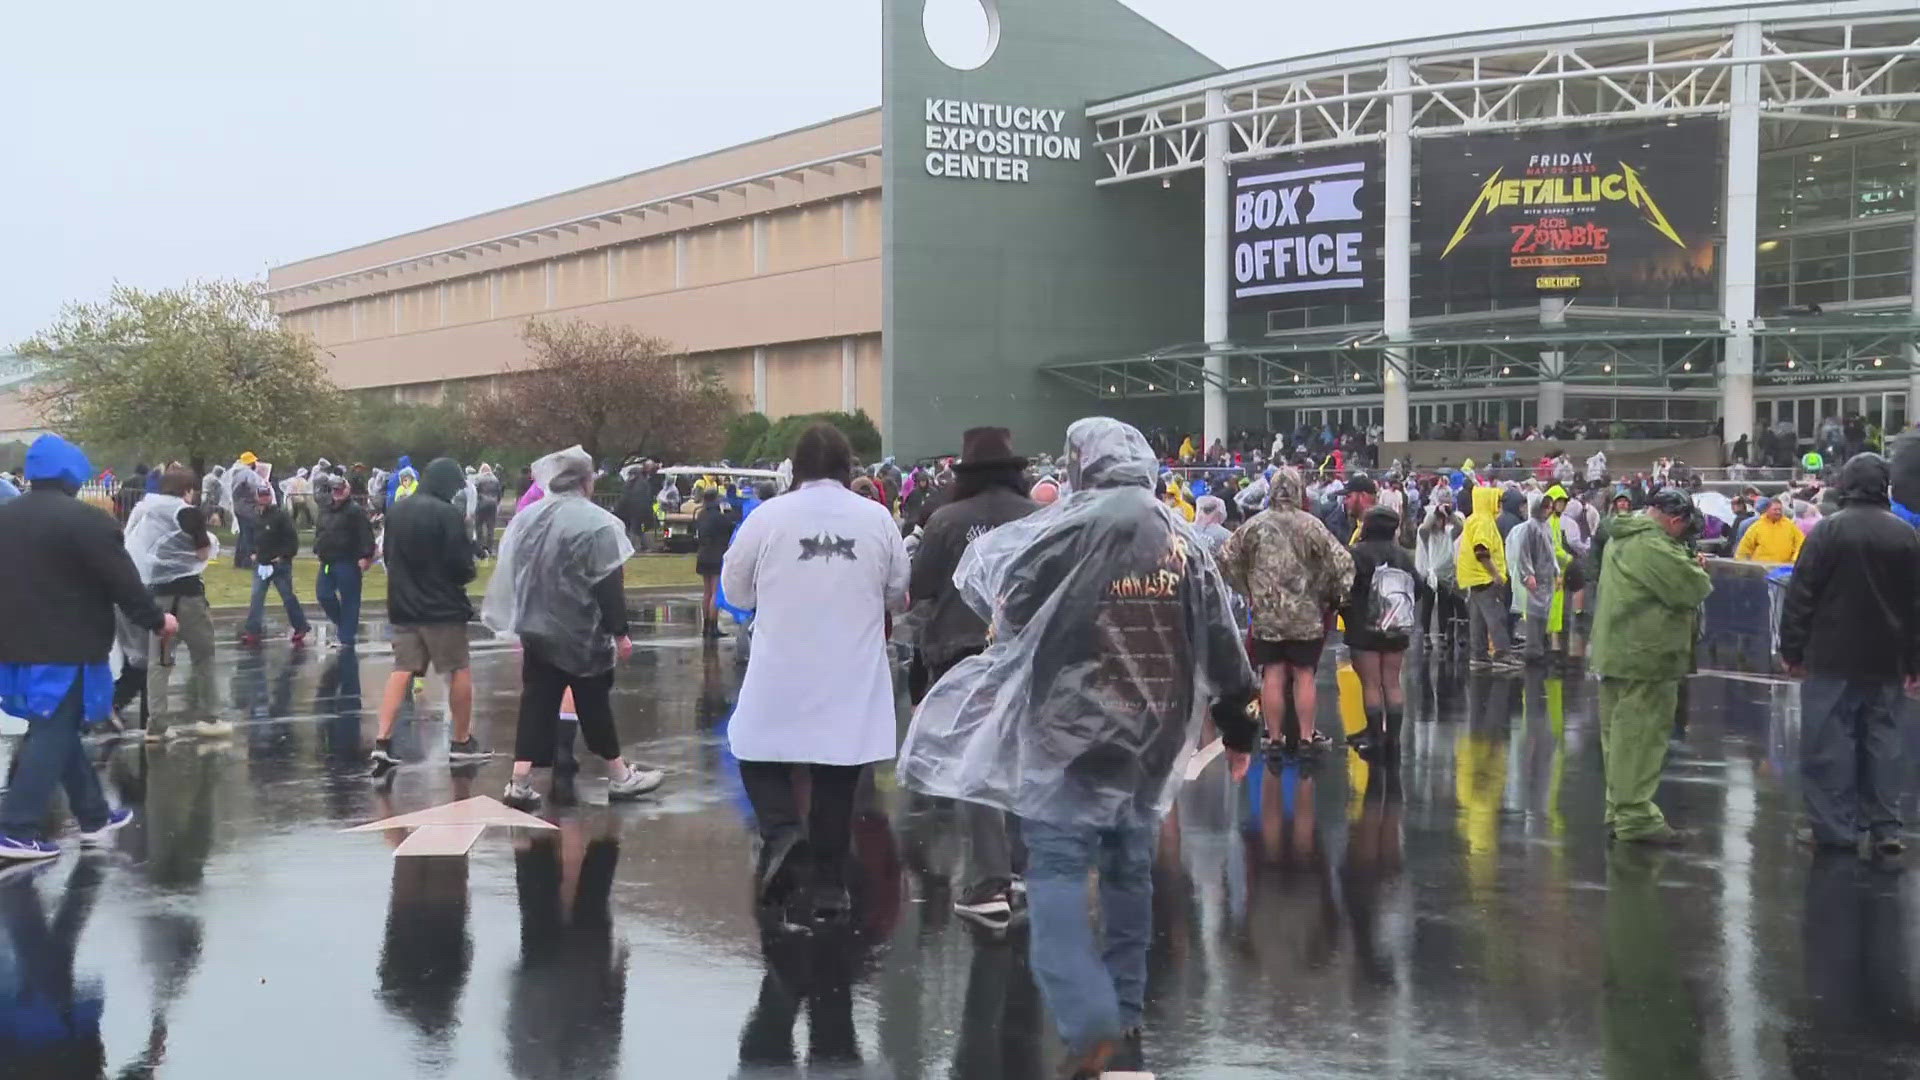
column 453, row 828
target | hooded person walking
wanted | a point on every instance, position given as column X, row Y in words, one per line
column 1110, row 637
column 1850, row 630
column 560, row 588
column 429, row 563
column 67, row 570
column 1650, row 588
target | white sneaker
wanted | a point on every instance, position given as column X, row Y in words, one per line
column 213, row 729
column 636, row 783
column 521, row 796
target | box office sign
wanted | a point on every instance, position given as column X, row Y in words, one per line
column 1596, row 211
column 1307, row 226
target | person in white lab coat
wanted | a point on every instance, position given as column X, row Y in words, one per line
column 822, row 568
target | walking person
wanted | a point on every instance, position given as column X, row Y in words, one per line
column 1294, row 573
column 277, row 542
column 823, row 568
column 1480, row 566
column 343, row 542
column 1850, row 630
column 1381, row 612
column 67, row 570
column 560, row 588
column 429, row 563
column 170, row 545
column 297, row 496
column 1110, row 638
column 713, row 528
column 989, row 491
column 1643, row 632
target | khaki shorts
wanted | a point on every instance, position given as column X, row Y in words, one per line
column 444, row 645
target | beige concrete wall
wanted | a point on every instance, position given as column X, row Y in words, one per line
column 868, row 372
column 840, row 136
column 791, row 265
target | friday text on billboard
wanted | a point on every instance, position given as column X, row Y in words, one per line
column 978, row 140
column 1304, row 229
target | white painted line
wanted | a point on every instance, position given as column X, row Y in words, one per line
column 440, row 840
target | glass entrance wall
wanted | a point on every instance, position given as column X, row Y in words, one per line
column 1885, row 409
column 1435, row 419
column 1835, row 223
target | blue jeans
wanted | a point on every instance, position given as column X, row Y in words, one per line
column 338, row 591
column 51, row 756
column 1094, row 990
column 282, row 582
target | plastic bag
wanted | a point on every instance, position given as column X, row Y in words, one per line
column 552, row 555
column 159, row 547
column 1110, row 634
column 264, row 571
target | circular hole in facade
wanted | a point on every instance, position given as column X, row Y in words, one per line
column 962, row 33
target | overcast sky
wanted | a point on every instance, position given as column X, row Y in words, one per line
column 154, row 143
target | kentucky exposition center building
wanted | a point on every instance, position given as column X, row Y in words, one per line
column 1665, row 221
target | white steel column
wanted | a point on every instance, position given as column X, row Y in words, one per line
column 1913, row 298
column 849, row 389
column 1743, row 226
column 1552, row 398
column 1397, row 286
column 760, row 380
column 1213, row 320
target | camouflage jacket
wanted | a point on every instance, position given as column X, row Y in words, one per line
column 1288, row 566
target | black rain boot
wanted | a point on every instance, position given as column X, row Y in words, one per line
column 1390, row 734
column 1367, row 741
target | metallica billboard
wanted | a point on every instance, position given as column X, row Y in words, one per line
column 1623, row 214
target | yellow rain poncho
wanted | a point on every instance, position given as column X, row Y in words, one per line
column 1481, row 529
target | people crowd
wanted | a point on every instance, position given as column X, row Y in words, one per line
column 1072, row 629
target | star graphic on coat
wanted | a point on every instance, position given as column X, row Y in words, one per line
column 827, row 547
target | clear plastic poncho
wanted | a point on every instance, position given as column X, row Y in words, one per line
column 160, row 548
column 1111, row 634
column 553, row 553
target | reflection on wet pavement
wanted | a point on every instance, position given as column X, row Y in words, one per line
column 1461, row 915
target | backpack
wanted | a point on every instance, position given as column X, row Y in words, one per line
column 1391, row 609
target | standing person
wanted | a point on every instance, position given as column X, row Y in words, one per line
column 1434, row 556
column 1110, row 638
column 712, row 530
column 170, row 546
column 243, row 498
column 343, row 542
column 635, row 508
column 989, row 491
column 1480, row 566
column 1650, row 589
column 67, row 571
column 486, row 515
column 823, row 567
column 213, row 488
column 1293, row 573
column 1772, row 537
column 1382, row 610
column 1533, row 572
column 560, row 588
column 277, row 542
column 429, row 563
column 1850, row 628
column 297, row 496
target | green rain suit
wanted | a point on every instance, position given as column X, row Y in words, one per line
column 1650, row 589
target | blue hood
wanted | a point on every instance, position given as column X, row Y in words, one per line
column 54, row 458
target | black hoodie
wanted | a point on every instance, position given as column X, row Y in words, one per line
column 429, row 559
column 1853, row 605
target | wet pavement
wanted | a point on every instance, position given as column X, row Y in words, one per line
column 1460, row 917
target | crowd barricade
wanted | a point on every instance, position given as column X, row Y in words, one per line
column 1740, row 627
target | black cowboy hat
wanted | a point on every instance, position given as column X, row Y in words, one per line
column 987, row 448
